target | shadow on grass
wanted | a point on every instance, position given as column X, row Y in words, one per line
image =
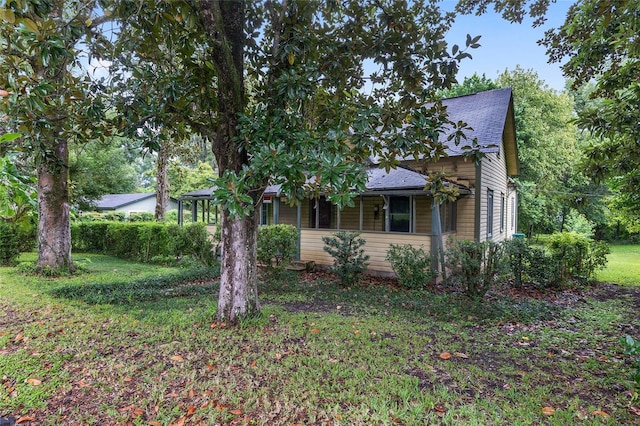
column 287, row 290
column 187, row 283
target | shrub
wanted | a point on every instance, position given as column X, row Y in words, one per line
column 578, row 256
column 412, row 265
column 542, row 268
column 276, row 245
column 349, row 260
column 141, row 217
column 9, row 243
column 144, row 241
column 477, row 267
column 516, row 251
column 632, row 347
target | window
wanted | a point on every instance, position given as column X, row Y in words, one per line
column 502, row 212
column 489, row 213
column 399, row 214
column 264, row 214
column 323, row 208
column 448, row 216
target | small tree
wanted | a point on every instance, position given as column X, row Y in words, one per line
column 349, row 260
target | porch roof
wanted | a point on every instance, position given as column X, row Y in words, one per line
column 398, row 179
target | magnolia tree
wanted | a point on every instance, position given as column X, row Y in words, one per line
column 48, row 100
column 297, row 93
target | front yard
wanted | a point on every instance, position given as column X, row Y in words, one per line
column 320, row 354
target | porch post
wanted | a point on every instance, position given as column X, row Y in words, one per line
column 299, row 226
column 435, row 231
column 387, row 215
column 276, row 210
column 194, row 210
column 361, row 214
column 339, row 217
column 180, row 207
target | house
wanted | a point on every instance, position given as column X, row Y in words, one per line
column 395, row 208
column 131, row 203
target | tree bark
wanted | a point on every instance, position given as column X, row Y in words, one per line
column 162, row 182
column 223, row 21
column 54, row 232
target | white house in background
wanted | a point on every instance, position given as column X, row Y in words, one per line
column 131, row 203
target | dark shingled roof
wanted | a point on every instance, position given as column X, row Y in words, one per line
column 200, row 193
column 114, row 201
column 398, row 178
column 485, row 113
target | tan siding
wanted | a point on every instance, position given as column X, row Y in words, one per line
column 370, row 223
column 494, row 177
column 377, row 244
column 287, row 214
column 350, row 217
column 423, row 214
column 465, row 226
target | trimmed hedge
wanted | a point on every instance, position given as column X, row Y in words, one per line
column 9, row 243
column 148, row 242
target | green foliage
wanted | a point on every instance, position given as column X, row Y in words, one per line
column 476, row 266
column 412, row 265
column 349, row 260
column 190, row 282
column 141, row 217
column 97, row 168
column 577, row 255
column 9, row 243
column 470, row 86
column 632, row 347
column 145, row 241
column 277, row 244
column 516, row 250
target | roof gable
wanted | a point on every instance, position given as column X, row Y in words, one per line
column 485, row 113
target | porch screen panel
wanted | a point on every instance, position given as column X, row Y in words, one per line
column 399, row 214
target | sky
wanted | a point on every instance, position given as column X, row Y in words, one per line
column 505, row 45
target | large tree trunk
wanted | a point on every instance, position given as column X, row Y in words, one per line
column 238, row 280
column 162, row 182
column 54, row 232
column 224, row 21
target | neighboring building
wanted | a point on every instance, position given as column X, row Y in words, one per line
column 131, row 203
column 396, row 209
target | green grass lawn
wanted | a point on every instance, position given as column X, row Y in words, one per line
column 623, row 266
column 115, row 345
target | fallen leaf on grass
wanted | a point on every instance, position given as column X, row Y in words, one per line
column 191, row 410
column 445, row 355
column 33, row 381
column 314, row 331
column 461, row 355
column 177, row 358
column 236, row 412
column 180, row 422
column 634, row 410
column 18, row 338
column 154, row 423
column 600, row 413
column 440, row 410
column 25, row 419
column 547, row 411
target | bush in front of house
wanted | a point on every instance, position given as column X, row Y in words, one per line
column 412, row 265
column 151, row 242
column 578, row 256
column 9, row 243
column 476, row 266
column 277, row 245
column 349, row 260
